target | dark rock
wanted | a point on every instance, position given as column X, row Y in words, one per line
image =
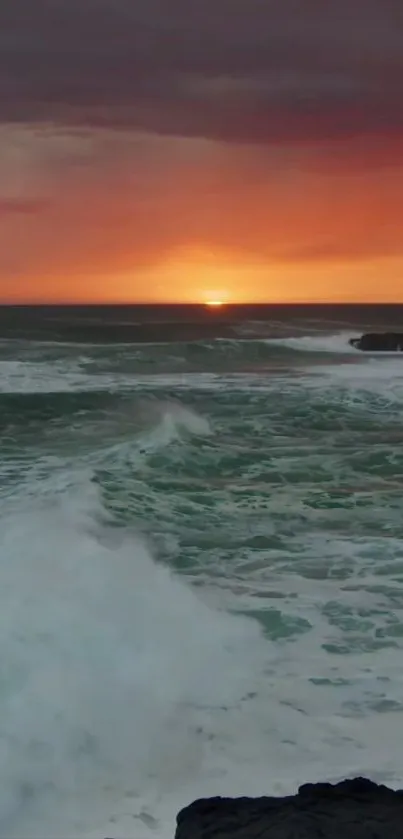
column 352, row 809
column 379, row 342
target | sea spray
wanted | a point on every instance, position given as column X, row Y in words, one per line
column 108, row 663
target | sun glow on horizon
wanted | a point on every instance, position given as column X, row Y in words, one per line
column 215, row 304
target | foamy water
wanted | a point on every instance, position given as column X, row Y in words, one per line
column 201, row 582
column 337, row 343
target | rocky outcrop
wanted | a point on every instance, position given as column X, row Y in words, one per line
column 353, row 809
column 379, row 342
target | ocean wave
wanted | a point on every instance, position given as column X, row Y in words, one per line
column 377, row 379
column 113, row 672
column 127, row 692
column 17, row 376
column 337, row 343
column 200, row 567
column 183, row 365
column 39, row 369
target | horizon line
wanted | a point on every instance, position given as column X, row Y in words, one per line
column 198, row 305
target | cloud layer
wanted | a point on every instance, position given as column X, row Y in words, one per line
column 267, row 131
column 250, row 70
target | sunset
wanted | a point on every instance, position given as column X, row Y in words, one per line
column 201, row 419
column 263, row 139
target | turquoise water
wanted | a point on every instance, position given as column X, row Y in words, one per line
column 201, row 550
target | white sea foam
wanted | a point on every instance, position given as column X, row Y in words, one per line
column 174, row 420
column 125, row 695
column 18, row 376
column 377, row 377
column 336, row 343
column 69, row 375
column 107, row 662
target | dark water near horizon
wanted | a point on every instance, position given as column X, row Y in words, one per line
column 201, row 560
column 97, row 323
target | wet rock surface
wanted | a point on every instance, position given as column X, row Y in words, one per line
column 352, row 809
column 379, row 342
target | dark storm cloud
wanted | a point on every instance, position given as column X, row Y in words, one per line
column 255, row 70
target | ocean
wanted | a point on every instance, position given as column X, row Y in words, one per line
column 201, row 560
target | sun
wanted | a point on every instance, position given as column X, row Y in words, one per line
column 215, row 304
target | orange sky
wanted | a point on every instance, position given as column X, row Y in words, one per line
column 177, row 151
column 133, row 216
